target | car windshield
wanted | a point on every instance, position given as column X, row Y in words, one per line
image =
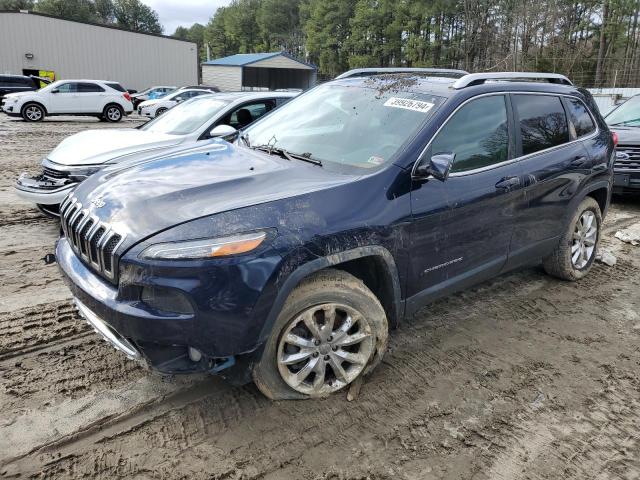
column 627, row 114
column 360, row 127
column 186, row 117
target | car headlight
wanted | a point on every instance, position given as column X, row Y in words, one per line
column 204, row 248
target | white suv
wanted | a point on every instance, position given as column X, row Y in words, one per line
column 103, row 99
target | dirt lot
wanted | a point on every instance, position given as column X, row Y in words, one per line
column 524, row 377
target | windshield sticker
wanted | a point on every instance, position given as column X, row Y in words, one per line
column 375, row 160
column 409, row 104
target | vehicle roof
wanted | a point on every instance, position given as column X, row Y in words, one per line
column 14, row 75
column 443, row 86
column 86, row 80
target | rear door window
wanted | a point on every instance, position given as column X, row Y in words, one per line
column 89, row 88
column 477, row 134
column 580, row 118
column 542, row 122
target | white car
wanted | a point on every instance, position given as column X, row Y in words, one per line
column 196, row 120
column 103, row 99
column 155, row 107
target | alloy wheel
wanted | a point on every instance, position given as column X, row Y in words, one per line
column 324, row 349
column 113, row 114
column 584, row 241
column 33, row 113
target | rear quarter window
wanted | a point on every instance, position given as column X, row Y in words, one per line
column 116, row 86
column 542, row 122
column 580, row 118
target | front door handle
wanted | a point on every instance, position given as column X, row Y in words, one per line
column 508, row 183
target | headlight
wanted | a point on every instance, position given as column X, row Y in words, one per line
column 205, row 248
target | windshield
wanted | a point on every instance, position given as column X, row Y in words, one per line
column 627, row 114
column 353, row 126
column 186, row 117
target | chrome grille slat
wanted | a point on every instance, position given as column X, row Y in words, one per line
column 632, row 163
column 92, row 240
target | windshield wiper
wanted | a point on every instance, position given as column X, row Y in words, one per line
column 625, row 122
column 305, row 157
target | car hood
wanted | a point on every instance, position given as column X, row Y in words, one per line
column 149, row 103
column 93, row 147
column 627, row 135
column 18, row 94
column 143, row 199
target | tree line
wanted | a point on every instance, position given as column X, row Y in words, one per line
column 593, row 42
column 128, row 14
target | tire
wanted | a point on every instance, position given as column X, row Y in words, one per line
column 357, row 348
column 160, row 111
column 112, row 113
column 565, row 262
column 52, row 211
column 33, row 112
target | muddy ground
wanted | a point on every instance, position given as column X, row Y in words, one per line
column 524, row 377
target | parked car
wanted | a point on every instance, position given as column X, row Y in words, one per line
column 103, row 99
column 286, row 256
column 16, row 83
column 624, row 120
column 193, row 121
column 154, row 108
column 150, row 94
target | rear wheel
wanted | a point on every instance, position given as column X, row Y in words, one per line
column 32, row 112
column 331, row 331
column 112, row 113
column 573, row 257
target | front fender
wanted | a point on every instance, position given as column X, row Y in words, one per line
column 285, row 283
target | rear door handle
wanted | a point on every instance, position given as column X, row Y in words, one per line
column 579, row 162
column 508, row 183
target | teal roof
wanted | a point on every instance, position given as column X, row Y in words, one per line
column 242, row 59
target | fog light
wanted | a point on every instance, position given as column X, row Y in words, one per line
column 166, row 300
column 194, row 354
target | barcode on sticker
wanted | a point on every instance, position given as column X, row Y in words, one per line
column 409, row 104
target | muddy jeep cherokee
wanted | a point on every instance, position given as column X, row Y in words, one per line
column 286, row 257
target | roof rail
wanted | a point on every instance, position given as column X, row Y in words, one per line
column 479, row 78
column 365, row 72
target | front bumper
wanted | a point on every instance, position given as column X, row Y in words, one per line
column 43, row 190
column 165, row 341
column 626, row 181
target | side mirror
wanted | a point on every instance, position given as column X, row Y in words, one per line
column 438, row 167
column 222, row 131
column 179, row 99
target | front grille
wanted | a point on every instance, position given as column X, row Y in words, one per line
column 92, row 240
column 51, row 173
column 631, row 162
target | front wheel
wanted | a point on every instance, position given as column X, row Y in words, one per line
column 331, row 330
column 112, row 113
column 32, row 112
column 573, row 257
column 160, row 111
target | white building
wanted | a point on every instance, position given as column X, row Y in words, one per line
column 258, row 71
column 37, row 44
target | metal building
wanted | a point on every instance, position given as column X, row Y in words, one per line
column 34, row 43
column 258, row 71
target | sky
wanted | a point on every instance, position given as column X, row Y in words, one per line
column 175, row 13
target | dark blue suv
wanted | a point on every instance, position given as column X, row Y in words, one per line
column 286, row 257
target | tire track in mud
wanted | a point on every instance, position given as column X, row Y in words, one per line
column 35, row 328
column 24, row 270
column 69, row 371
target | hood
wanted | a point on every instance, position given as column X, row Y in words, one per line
column 146, row 198
column 627, row 135
column 18, row 94
column 94, row 147
column 148, row 103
